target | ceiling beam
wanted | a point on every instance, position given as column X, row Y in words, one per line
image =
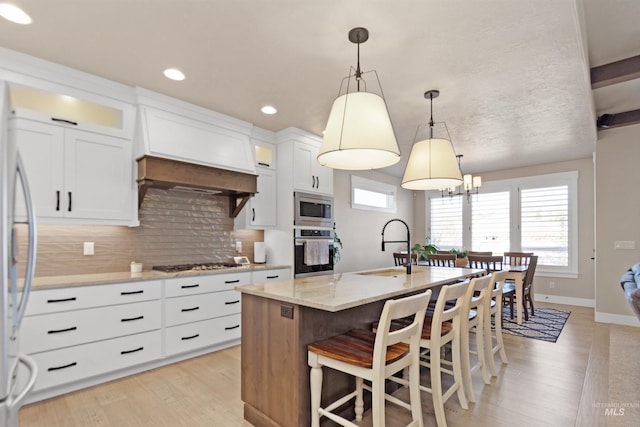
column 626, row 118
column 615, row 72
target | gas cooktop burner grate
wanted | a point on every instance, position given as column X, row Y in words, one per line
column 194, row 267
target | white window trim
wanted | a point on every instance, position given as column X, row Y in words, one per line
column 379, row 187
column 513, row 185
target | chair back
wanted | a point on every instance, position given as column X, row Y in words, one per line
column 486, row 262
column 517, row 258
column 497, row 282
column 478, row 294
column 415, row 307
column 479, row 253
column 527, row 282
column 449, row 306
column 403, row 259
column 443, row 252
column 442, row 260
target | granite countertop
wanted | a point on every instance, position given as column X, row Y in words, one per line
column 347, row 290
column 50, row 282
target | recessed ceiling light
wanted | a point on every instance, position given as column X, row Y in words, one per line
column 14, row 14
column 174, row 74
column 268, row 109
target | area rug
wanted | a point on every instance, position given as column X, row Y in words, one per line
column 546, row 325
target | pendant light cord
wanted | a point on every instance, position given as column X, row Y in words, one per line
column 358, row 71
column 431, row 118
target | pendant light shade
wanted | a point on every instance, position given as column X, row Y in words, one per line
column 432, row 163
column 359, row 134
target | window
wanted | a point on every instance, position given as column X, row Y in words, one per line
column 532, row 214
column 372, row 195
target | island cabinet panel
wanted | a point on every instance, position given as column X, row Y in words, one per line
column 275, row 374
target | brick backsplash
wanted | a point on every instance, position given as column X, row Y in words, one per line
column 176, row 227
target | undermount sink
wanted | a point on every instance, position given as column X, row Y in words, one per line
column 387, row 272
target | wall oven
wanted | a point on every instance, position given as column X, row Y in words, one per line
column 313, row 210
column 313, row 252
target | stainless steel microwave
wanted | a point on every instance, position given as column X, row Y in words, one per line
column 313, row 210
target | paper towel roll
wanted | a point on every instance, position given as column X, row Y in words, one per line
column 259, row 255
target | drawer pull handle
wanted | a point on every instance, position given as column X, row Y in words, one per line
column 232, row 281
column 130, row 319
column 56, row 368
column 189, row 286
column 69, row 122
column 190, row 338
column 132, row 351
column 57, row 331
column 190, row 309
column 49, row 301
column 228, row 328
column 273, row 277
column 131, row 292
column 263, row 164
column 231, row 302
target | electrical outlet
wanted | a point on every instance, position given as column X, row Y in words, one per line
column 552, row 285
column 89, row 248
column 239, row 246
column 286, row 311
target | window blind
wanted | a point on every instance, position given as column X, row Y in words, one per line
column 446, row 222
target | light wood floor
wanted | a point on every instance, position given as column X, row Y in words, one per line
column 592, row 368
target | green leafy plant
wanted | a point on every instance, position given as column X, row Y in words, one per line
column 337, row 245
column 423, row 250
column 459, row 253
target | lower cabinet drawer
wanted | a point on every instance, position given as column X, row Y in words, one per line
column 179, row 339
column 194, row 308
column 57, row 330
column 70, row 364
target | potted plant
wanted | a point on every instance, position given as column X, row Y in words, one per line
column 461, row 257
column 337, row 245
column 423, row 250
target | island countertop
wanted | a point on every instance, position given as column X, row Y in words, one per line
column 342, row 291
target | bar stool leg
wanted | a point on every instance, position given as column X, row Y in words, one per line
column 316, row 393
column 359, row 405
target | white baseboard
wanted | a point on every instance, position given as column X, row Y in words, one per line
column 557, row 299
column 618, row 319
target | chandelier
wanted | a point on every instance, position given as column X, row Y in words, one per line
column 470, row 185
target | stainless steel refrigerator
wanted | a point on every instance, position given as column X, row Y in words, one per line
column 17, row 371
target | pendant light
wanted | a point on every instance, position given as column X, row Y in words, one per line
column 432, row 163
column 359, row 134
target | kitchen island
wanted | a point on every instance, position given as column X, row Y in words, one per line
column 280, row 318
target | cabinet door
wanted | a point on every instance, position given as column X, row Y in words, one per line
column 308, row 175
column 42, row 151
column 324, row 178
column 263, row 205
column 98, row 176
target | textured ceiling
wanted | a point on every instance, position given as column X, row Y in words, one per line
column 513, row 75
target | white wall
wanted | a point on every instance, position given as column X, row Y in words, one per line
column 360, row 230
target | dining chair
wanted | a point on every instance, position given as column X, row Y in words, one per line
column 480, row 253
column 475, row 305
column 374, row 357
column 517, row 258
column 441, row 260
column 486, row 262
column 443, row 252
column 400, row 258
column 495, row 310
column 509, row 291
column 442, row 329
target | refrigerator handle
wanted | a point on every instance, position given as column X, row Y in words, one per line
column 33, row 241
column 14, row 403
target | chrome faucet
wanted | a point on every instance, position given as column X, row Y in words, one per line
column 408, row 241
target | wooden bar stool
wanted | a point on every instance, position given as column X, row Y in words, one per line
column 495, row 310
column 373, row 357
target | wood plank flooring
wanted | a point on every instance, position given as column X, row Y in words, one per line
column 591, row 368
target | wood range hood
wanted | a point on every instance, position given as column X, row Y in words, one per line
column 164, row 173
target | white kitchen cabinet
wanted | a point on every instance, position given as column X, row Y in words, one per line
column 76, row 176
column 261, row 210
column 308, row 175
column 261, row 276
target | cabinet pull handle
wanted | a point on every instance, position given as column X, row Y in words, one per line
column 49, row 301
column 231, row 302
column 57, row 331
column 313, row 185
column 56, row 368
column 130, row 319
column 263, row 164
column 69, row 122
column 189, row 286
column 232, row 281
column 131, row 292
column 132, row 351
column 190, row 309
column 253, row 210
column 228, row 328
column 57, row 200
column 190, row 338
column 317, row 182
column 273, row 277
